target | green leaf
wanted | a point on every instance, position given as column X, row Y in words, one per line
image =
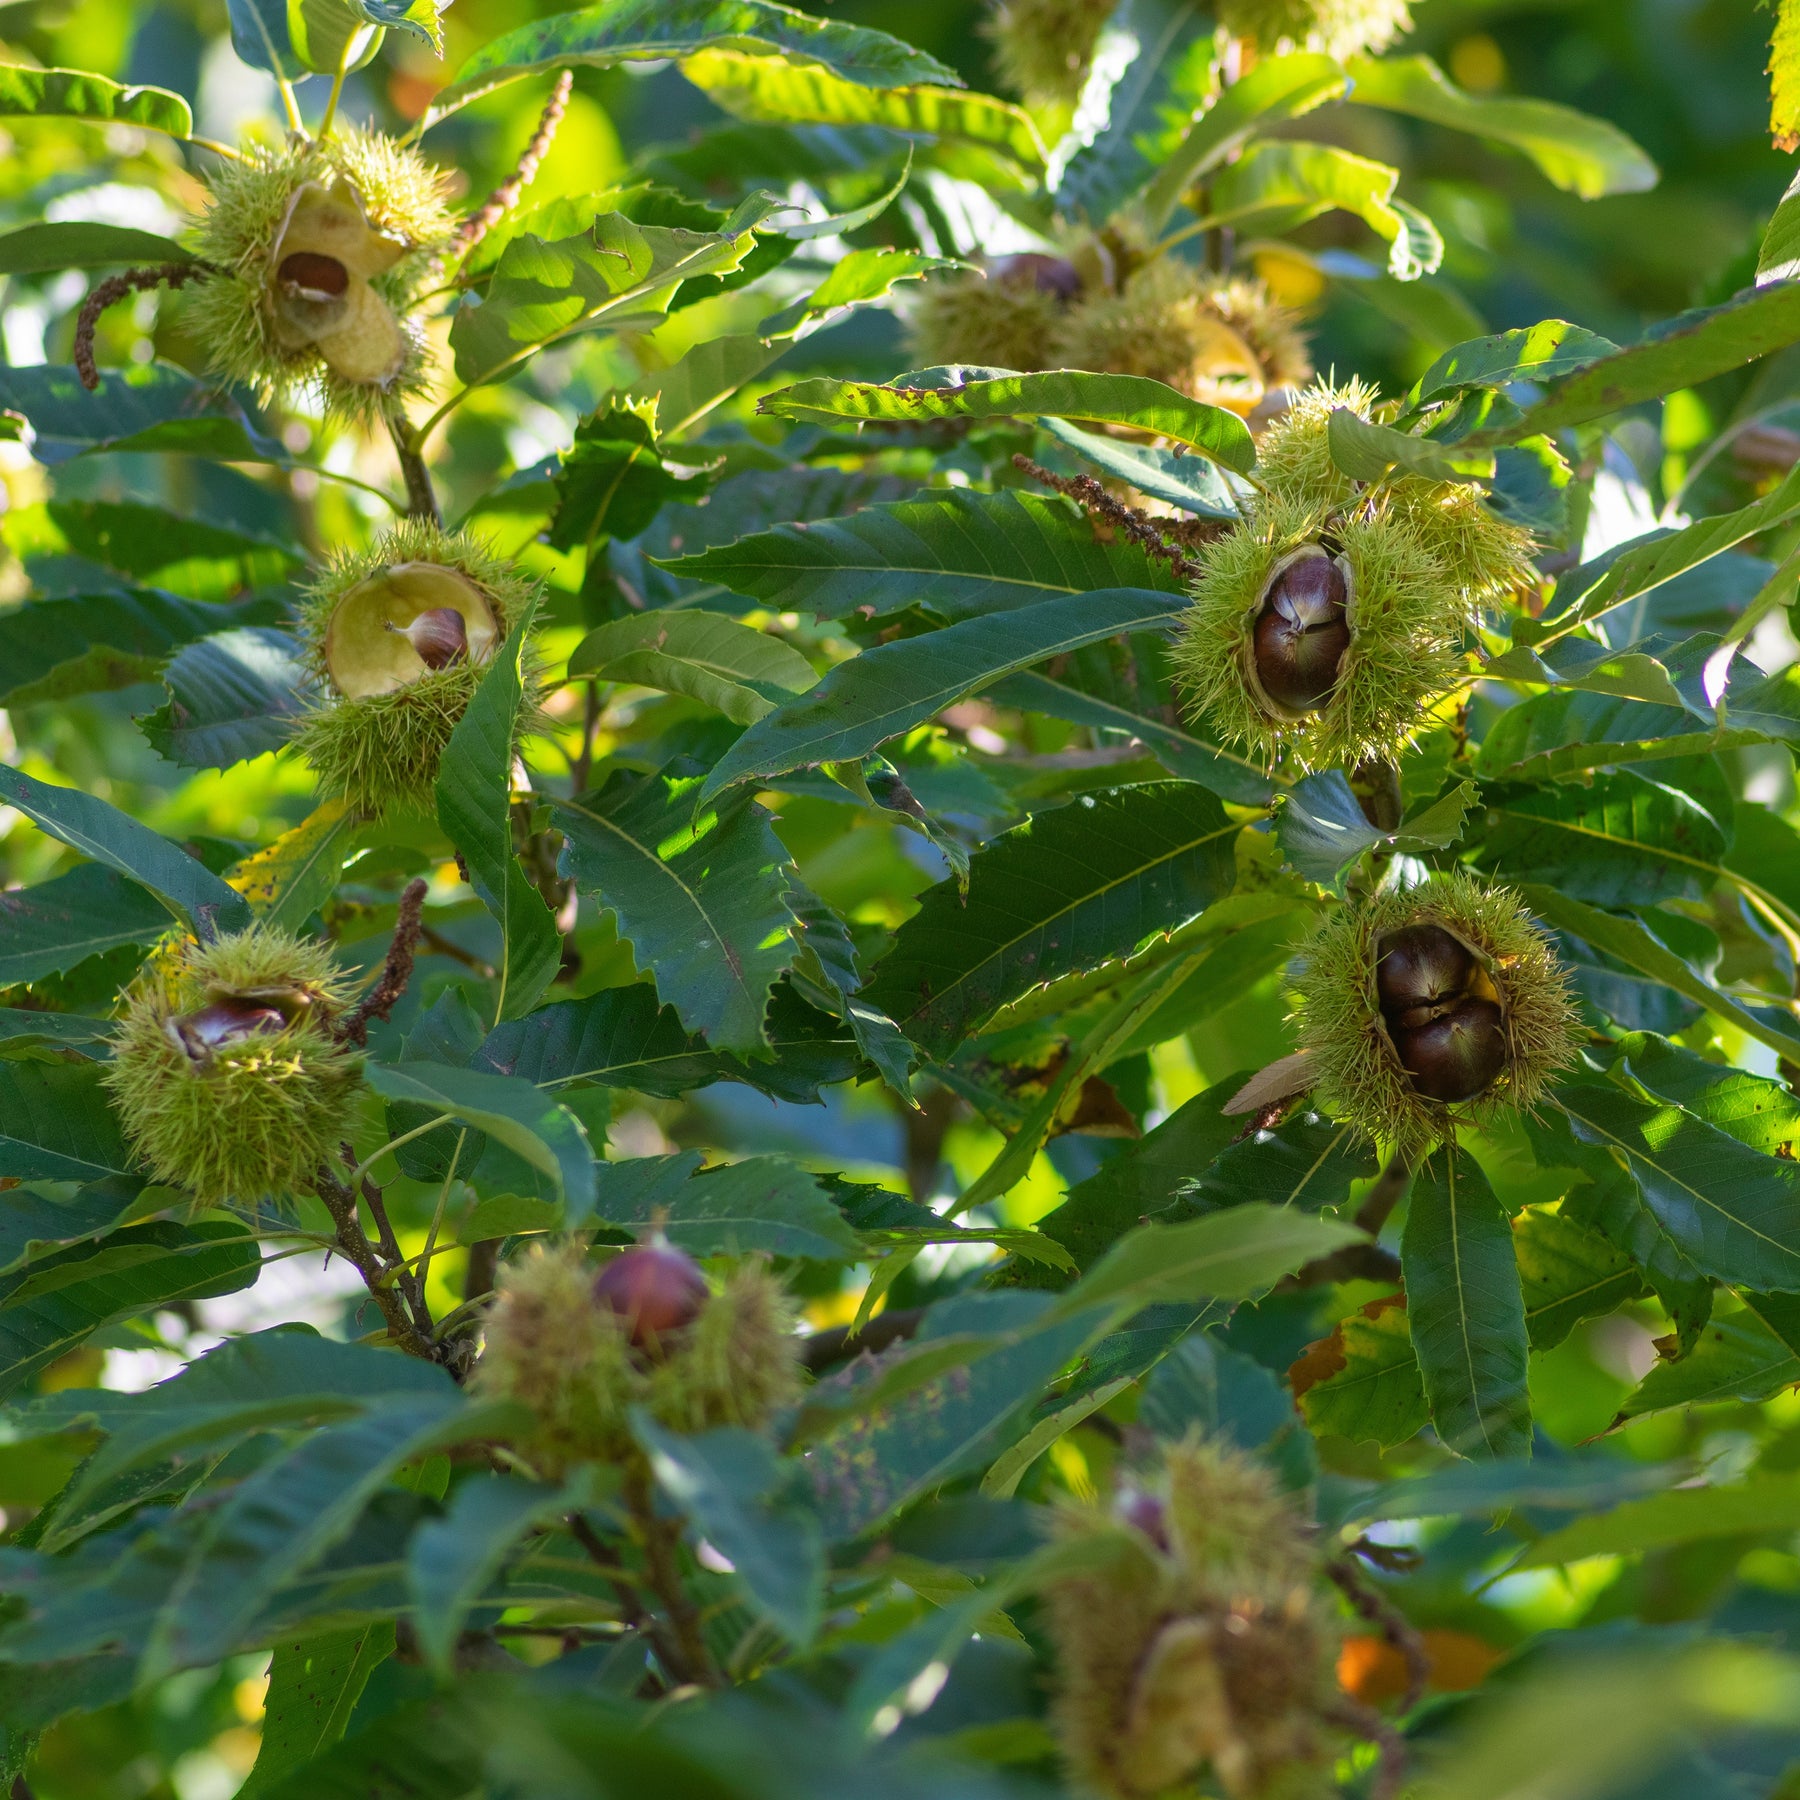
column 1145, row 1177
column 1133, row 400
column 474, row 807
column 198, row 558
column 325, row 34
column 425, row 1750
column 617, row 31
column 419, row 19
column 20, row 1027
column 732, row 668
column 452, row 1560
column 1540, row 352
column 1321, row 827
column 55, row 649
column 1568, row 1273
column 892, row 688
column 1597, row 588
column 1367, row 452
column 762, row 88
column 1230, row 775
column 614, row 479
column 83, row 244
column 1739, row 1356
column 1275, row 89
column 1231, row 1255
column 232, row 698
column 763, row 1203
column 961, row 1419
column 76, row 94
column 1625, row 841
column 1681, row 352
column 706, row 376
column 1375, row 1393
column 1158, row 55
column 1070, row 890
column 153, row 407
column 956, row 554
column 287, row 881
column 259, row 35
column 195, row 1262
column 1280, row 183
column 1585, row 155
column 1733, row 1213
column 1473, row 1490
column 626, row 1038
column 700, row 894
column 314, row 1685
column 527, row 1121
column 613, row 273
column 1779, row 258
column 723, row 1481
column 1175, row 477
column 1627, row 940
column 292, row 1509
column 1755, row 1109
column 48, row 929
column 1306, row 1161
column 1764, row 1503
column 101, row 832
column 1466, row 1310
column 55, row 1124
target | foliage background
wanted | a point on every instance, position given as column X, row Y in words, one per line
column 1684, row 77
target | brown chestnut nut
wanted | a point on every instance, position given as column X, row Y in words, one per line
column 203, row 1031
column 1033, row 269
column 439, row 634
column 1302, row 633
column 1421, row 964
column 312, row 276
column 658, row 1288
column 1457, row 1055
column 1145, row 1513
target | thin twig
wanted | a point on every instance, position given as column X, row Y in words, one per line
column 1381, row 1199
column 435, row 941
column 823, row 1348
column 1390, row 1774
column 1395, row 1627
column 396, row 972
column 659, row 1537
column 506, row 196
column 1143, row 530
column 340, row 1202
column 631, row 1607
column 421, row 496
column 399, row 1266
column 114, row 289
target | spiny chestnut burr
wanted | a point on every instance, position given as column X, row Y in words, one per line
column 655, row 1287
column 438, row 634
column 1302, row 632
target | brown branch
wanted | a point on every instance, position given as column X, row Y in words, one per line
column 1381, row 1199
column 114, row 289
column 824, row 1348
column 1366, row 1723
column 1395, row 1627
column 506, row 196
column 659, row 1537
column 1353, row 1262
column 421, row 496
column 407, row 1278
column 351, row 1241
column 1150, row 535
column 379, row 1001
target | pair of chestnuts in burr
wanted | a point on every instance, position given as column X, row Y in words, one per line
column 1442, row 1013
